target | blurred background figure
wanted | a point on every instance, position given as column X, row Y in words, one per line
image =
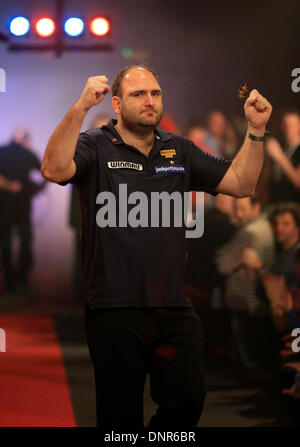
column 282, row 288
column 99, row 120
column 285, row 220
column 75, row 223
column 253, row 346
column 221, row 129
column 282, row 275
column 169, row 125
column 285, row 178
column 205, row 286
column 198, row 133
column 17, row 188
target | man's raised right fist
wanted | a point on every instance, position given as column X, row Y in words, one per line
column 94, row 91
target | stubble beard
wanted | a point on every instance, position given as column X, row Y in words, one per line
column 139, row 122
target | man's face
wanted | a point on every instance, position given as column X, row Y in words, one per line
column 245, row 212
column 291, row 126
column 285, row 228
column 141, row 101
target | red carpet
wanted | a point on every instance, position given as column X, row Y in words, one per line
column 33, row 384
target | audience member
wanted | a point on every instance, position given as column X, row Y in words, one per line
column 17, row 162
column 285, row 180
column 253, row 335
column 221, row 129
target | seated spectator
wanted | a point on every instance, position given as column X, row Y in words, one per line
column 221, row 129
column 285, row 181
column 202, row 277
column 282, row 286
column 249, row 311
column 281, row 276
column 198, row 133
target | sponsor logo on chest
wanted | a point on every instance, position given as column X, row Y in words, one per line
column 177, row 169
column 168, row 153
column 124, row 165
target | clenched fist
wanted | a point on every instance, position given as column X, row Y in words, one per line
column 94, row 91
column 257, row 111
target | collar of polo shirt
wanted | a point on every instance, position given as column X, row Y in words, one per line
column 160, row 134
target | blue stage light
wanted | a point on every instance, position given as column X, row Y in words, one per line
column 19, row 26
column 74, row 26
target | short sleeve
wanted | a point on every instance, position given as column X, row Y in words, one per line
column 206, row 171
column 83, row 157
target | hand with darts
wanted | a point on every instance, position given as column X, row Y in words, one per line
column 257, row 109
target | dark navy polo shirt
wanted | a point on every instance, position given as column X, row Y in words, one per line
column 142, row 266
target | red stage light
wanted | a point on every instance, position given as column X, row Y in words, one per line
column 100, row 26
column 45, row 27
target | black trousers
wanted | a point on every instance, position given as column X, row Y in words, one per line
column 127, row 343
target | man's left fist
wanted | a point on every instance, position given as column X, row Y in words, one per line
column 257, row 111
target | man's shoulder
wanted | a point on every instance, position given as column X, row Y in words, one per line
column 93, row 133
column 91, row 139
column 172, row 137
column 262, row 222
column 261, row 231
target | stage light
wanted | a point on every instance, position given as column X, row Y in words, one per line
column 45, row 27
column 126, row 52
column 74, row 26
column 100, row 26
column 19, row 26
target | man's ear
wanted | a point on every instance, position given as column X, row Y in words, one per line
column 116, row 104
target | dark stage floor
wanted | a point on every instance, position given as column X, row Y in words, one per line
column 230, row 401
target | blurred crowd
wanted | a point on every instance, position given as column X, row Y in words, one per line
column 242, row 275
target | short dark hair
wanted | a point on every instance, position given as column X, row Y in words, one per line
column 291, row 111
column 116, row 84
column 286, row 207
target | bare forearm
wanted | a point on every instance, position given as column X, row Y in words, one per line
column 248, row 164
column 249, row 161
column 62, row 143
column 58, row 161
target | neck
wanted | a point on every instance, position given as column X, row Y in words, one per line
column 141, row 139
